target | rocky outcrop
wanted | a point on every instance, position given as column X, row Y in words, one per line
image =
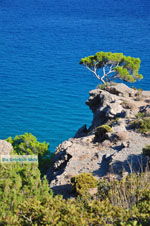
column 121, row 149
column 5, row 147
column 104, row 106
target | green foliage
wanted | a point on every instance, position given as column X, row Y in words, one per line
column 105, row 128
column 114, row 65
column 140, row 115
column 124, row 74
column 141, row 125
column 55, row 211
column 45, row 162
column 132, row 194
column 27, row 144
column 124, row 202
column 26, row 199
column 146, row 150
column 104, row 187
column 83, row 182
column 103, row 86
column 130, row 190
column 19, row 182
column 101, row 130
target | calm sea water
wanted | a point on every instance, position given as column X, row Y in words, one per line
column 43, row 88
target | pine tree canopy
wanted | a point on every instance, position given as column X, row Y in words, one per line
column 107, row 66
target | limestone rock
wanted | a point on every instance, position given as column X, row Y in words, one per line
column 5, row 147
column 81, row 132
column 120, row 89
column 104, row 106
column 121, row 150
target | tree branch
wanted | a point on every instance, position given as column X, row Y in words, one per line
column 110, row 70
column 95, row 73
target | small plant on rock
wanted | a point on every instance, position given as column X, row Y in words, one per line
column 141, row 125
column 101, row 132
column 103, row 129
column 83, row 182
column 140, row 115
column 103, row 86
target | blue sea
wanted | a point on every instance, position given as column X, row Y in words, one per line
column 43, row 88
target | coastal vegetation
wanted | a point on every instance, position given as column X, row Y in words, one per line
column 26, row 199
column 101, row 132
column 121, row 199
column 113, row 66
column 27, row 144
column 142, row 125
column 83, row 182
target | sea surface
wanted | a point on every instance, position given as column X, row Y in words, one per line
column 43, row 88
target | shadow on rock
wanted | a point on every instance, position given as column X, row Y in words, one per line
column 65, row 190
column 133, row 164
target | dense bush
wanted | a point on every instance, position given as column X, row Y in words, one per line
column 26, row 199
column 141, row 125
column 18, row 183
column 27, row 144
column 83, row 182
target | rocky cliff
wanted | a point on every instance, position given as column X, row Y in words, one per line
column 112, row 146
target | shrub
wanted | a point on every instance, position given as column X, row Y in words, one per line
column 130, row 190
column 19, row 182
column 143, row 114
column 140, row 115
column 100, row 131
column 104, row 187
column 124, row 202
column 27, row 144
column 103, row 86
column 142, row 125
column 114, row 121
column 83, row 182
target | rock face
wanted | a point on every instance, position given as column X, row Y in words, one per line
column 5, row 147
column 119, row 152
column 104, row 106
